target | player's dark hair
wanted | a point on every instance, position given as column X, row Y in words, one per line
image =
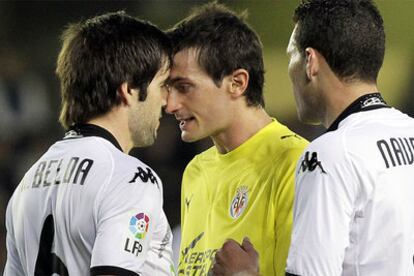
column 224, row 43
column 348, row 33
column 101, row 53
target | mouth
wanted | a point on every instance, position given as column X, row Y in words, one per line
column 184, row 122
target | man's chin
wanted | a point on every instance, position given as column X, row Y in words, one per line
column 186, row 137
column 145, row 143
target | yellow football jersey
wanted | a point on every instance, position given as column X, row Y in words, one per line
column 246, row 192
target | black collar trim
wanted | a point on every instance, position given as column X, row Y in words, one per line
column 86, row 130
column 363, row 103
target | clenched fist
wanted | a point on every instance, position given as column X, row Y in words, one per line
column 234, row 259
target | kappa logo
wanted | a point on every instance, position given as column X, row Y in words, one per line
column 311, row 163
column 145, row 176
column 239, row 202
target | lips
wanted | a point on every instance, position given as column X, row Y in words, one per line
column 185, row 122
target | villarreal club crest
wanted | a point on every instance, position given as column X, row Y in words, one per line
column 239, row 202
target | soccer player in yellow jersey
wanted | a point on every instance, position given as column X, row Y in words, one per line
column 243, row 185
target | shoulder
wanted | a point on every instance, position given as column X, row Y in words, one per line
column 330, row 146
column 335, row 153
column 131, row 170
column 357, row 135
column 283, row 136
column 121, row 165
column 118, row 173
column 282, row 142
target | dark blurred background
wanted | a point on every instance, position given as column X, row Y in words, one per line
column 29, row 90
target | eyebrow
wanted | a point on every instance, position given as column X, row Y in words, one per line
column 171, row 81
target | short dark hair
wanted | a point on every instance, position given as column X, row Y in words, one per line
column 348, row 33
column 224, row 42
column 101, row 53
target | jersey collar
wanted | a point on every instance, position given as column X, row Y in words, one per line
column 86, row 130
column 363, row 103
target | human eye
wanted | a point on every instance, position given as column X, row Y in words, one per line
column 183, row 87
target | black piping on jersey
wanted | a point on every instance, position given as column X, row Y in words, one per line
column 111, row 270
column 363, row 103
column 86, row 130
column 289, row 274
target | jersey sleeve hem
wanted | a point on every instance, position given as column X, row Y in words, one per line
column 111, row 270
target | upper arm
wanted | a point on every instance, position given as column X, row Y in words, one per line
column 324, row 199
column 284, row 183
column 126, row 221
column 13, row 264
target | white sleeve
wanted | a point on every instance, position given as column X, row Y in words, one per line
column 127, row 215
column 13, row 264
column 160, row 259
column 326, row 191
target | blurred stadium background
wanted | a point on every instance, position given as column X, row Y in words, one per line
column 29, row 90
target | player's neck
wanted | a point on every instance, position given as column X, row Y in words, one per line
column 340, row 96
column 244, row 125
column 117, row 124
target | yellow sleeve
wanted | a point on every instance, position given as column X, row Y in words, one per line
column 284, row 197
column 184, row 183
column 183, row 201
column 190, row 172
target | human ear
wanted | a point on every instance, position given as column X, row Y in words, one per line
column 312, row 62
column 125, row 93
column 238, row 82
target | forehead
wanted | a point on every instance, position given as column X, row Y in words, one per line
column 185, row 65
column 292, row 41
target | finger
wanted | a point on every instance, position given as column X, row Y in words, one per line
column 230, row 245
column 217, row 270
column 218, row 258
column 249, row 248
column 247, row 245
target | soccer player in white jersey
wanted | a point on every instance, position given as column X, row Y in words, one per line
column 353, row 212
column 86, row 207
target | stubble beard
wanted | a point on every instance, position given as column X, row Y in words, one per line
column 142, row 132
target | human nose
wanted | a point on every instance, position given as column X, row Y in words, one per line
column 173, row 102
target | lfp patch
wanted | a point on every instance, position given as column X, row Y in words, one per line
column 239, row 202
column 138, row 225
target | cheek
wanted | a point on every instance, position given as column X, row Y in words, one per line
column 156, row 100
column 294, row 72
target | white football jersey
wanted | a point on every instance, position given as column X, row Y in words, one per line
column 354, row 201
column 86, row 208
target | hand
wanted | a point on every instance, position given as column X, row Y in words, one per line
column 234, row 259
